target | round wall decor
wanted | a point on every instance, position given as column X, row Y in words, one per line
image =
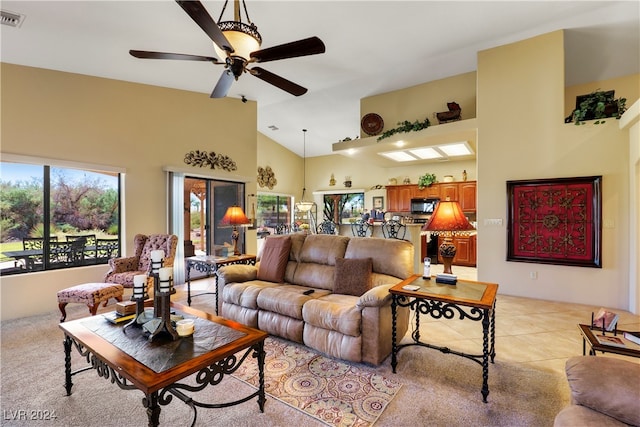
column 372, row 124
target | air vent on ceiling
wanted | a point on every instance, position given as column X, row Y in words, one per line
column 12, row 19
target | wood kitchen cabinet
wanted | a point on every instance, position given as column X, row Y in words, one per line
column 399, row 198
column 467, row 193
column 432, row 191
column 449, row 191
column 465, row 250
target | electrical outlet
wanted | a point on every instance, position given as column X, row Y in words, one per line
column 533, row 275
column 493, row 221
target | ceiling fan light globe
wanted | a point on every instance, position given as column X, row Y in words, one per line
column 244, row 39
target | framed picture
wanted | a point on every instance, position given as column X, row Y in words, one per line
column 555, row 221
column 378, row 203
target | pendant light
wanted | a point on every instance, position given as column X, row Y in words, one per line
column 304, row 205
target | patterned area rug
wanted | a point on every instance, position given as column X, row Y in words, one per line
column 334, row 392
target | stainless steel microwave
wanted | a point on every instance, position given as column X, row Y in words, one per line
column 423, row 206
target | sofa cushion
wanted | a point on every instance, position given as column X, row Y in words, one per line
column 286, row 299
column 323, row 249
column 275, row 255
column 335, row 313
column 392, row 257
column 352, row 276
column 578, row 415
column 607, row 385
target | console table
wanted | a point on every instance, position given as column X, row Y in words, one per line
column 132, row 362
column 209, row 264
column 466, row 300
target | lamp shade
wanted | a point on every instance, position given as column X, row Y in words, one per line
column 244, row 39
column 234, row 216
column 448, row 216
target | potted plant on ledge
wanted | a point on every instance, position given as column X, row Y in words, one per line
column 596, row 106
column 426, row 180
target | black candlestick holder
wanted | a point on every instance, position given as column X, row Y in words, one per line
column 139, row 319
column 161, row 321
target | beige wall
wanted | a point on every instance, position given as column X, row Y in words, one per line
column 286, row 165
column 140, row 128
column 521, row 98
column 423, row 101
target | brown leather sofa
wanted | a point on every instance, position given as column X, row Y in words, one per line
column 346, row 326
column 605, row 391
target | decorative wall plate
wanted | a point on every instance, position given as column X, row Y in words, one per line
column 372, row 124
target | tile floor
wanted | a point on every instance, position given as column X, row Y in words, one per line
column 533, row 332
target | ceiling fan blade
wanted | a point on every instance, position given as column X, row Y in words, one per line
column 280, row 82
column 199, row 14
column 144, row 54
column 223, row 85
column 304, row 47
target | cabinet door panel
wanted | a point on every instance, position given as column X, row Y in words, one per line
column 449, row 190
column 468, row 196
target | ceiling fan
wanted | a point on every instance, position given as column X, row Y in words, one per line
column 239, row 44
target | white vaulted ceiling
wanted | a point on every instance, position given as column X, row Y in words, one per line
column 372, row 47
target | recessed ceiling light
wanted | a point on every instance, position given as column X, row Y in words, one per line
column 398, row 156
column 400, row 144
column 426, row 153
column 457, row 149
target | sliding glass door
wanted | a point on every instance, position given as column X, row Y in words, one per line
column 206, row 202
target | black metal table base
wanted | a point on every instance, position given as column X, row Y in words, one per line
column 208, row 268
column 438, row 310
column 211, row 375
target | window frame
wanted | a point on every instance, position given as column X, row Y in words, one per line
column 46, row 164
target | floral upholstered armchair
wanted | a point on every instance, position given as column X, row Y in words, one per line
column 122, row 270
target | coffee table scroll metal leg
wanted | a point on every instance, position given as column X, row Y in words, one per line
column 485, row 355
column 67, row 365
column 150, row 402
column 260, row 354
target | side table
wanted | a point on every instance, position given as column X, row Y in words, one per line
column 594, row 346
column 467, row 299
column 209, row 264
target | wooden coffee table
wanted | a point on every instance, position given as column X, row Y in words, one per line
column 466, row 300
column 132, row 362
column 588, row 336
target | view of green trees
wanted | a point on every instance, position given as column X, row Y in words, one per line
column 90, row 204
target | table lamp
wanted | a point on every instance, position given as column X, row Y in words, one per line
column 234, row 217
column 448, row 220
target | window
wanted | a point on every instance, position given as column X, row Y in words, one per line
column 54, row 217
column 343, row 208
column 273, row 214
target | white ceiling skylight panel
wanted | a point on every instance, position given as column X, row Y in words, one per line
column 456, row 149
column 399, row 156
column 425, row 153
column 429, row 153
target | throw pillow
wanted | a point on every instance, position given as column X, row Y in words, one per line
column 273, row 262
column 352, row 276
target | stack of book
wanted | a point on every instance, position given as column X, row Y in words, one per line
column 115, row 317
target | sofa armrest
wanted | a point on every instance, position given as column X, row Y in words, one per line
column 606, row 385
column 237, row 273
column 120, row 265
column 377, row 296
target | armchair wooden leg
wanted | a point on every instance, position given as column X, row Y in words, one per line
column 62, row 306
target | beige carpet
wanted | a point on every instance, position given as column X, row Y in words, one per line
column 437, row 390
